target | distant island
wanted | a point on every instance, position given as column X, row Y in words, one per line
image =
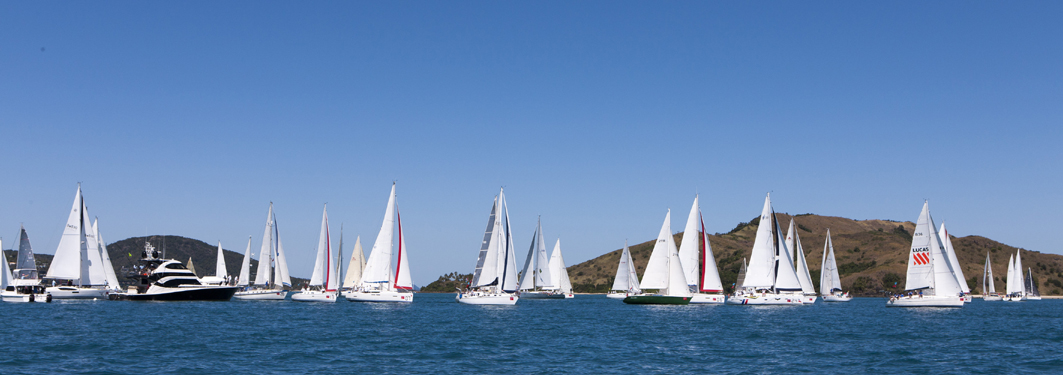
column 872, row 257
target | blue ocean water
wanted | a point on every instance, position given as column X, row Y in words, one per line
column 588, row 334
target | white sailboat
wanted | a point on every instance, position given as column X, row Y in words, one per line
column 989, row 291
column 626, row 281
column 704, row 283
column 108, row 267
column 5, row 275
column 355, row 267
column 559, row 273
column 244, row 279
column 494, row 282
column 272, row 277
column 25, row 282
column 793, row 242
column 536, row 281
column 770, row 278
column 946, row 241
column 378, row 283
column 664, row 273
column 77, row 268
column 220, row 277
column 830, row 283
column 1031, row 289
column 324, row 283
column 930, row 281
column 1012, row 286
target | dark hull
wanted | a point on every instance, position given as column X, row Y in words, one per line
column 197, row 294
column 656, row 300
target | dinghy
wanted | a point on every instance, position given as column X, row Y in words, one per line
column 664, row 273
column 930, row 281
column 272, row 277
column 324, row 282
column 77, row 270
column 626, row 281
column 494, row 282
column 946, row 241
column 793, row 242
column 378, row 283
column 25, row 282
column 770, row 278
column 830, row 283
column 989, row 291
column 535, row 279
column 710, row 289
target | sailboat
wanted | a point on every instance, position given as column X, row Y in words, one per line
column 770, row 278
column 626, row 281
column 324, row 283
column 710, row 289
column 930, row 281
column 494, row 282
column 1016, row 287
column 989, row 291
column 191, row 267
column 243, row 280
column 269, row 281
column 946, row 241
column 559, row 273
column 830, row 283
column 5, row 275
column 220, row 276
column 664, row 272
column 25, row 282
column 793, row 242
column 108, row 267
column 535, row 280
column 1031, row 289
column 78, row 266
column 355, row 267
column 378, row 283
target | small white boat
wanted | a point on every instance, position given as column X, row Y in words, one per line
column 272, row 278
column 25, row 284
column 770, row 278
column 930, row 281
column 704, row 283
column 830, row 284
column 989, row 291
column 77, row 271
column 494, row 282
column 626, row 281
column 378, row 283
column 324, row 283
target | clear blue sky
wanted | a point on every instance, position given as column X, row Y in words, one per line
column 189, row 118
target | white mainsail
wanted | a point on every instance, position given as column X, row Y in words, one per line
column 987, row 277
column 829, row 280
column 1018, row 272
column 403, row 279
column 786, row 276
column 245, row 266
column 710, row 281
column 5, row 277
column 487, row 259
column 920, row 261
column 265, row 253
column 355, row 266
column 793, row 239
column 378, row 266
column 108, row 267
column 664, row 271
column 558, row 271
column 953, row 262
column 219, row 267
column 1011, row 286
column 324, row 269
column 760, row 272
column 688, row 248
column 508, row 259
column 536, row 272
column 280, row 264
column 626, row 279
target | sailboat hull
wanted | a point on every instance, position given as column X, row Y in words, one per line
column 381, row 296
column 765, row 299
column 261, row 295
column 616, row 295
column 476, row 298
column 925, row 301
column 992, row 297
column 809, row 299
column 657, row 300
column 315, row 296
column 708, row 298
column 73, row 292
column 542, row 295
column 837, row 298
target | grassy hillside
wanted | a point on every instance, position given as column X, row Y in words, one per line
column 872, row 256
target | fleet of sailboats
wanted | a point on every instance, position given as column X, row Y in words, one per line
column 324, row 282
column 378, row 282
column 494, row 281
column 271, row 277
column 930, row 281
column 770, row 278
column 830, row 283
column 664, row 273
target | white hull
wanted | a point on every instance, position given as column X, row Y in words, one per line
column 616, row 295
column 73, row 292
column 837, row 298
column 544, row 295
column 315, row 296
column 764, row 299
column 967, row 298
column 382, row 296
column 925, row 301
column 992, row 298
column 476, row 298
column 1031, row 298
column 1014, row 298
column 261, row 295
column 809, row 299
column 18, row 297
column 707, row 298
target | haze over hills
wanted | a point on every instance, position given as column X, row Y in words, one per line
column 872, row 256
